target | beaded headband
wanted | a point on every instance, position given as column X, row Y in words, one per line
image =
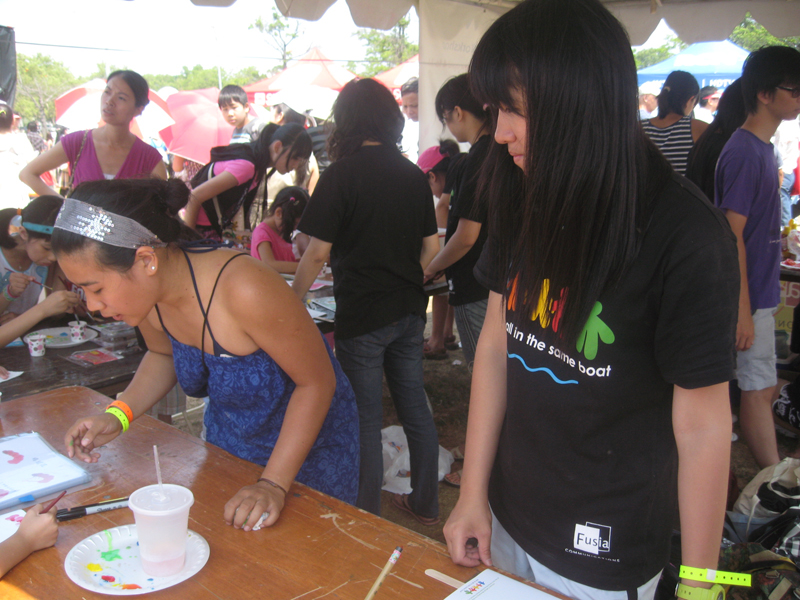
column 100, row 225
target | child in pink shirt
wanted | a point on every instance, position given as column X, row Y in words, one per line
column 272, row 239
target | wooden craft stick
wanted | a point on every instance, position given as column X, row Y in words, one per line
column 444, row 578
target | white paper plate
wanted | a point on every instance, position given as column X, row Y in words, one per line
column 108, row 563
column 58, row 337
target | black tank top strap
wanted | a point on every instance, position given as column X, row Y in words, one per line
column 160, row 320
column 208, row 306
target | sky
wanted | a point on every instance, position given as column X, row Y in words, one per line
column 162, row 36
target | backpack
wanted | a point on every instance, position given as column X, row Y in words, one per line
column 222, row 208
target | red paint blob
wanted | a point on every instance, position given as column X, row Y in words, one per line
column 43, row 477
column 130, row 586
column 16, row 457
column 108, row 578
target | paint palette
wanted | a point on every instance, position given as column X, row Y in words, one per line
column 58, row 337
column 108, row 563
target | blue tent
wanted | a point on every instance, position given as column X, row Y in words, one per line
column 712, row 63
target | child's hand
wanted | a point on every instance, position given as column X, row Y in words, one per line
column 17, row 283
column 60, row 302
column 3, row 373
column 39, row 531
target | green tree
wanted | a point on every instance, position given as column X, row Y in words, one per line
column 40, row 80
column 385, row 49
column 751, row 35
column 650, row 56
column 280, row 34
column 197, row 77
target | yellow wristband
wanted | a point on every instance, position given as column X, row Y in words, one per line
column 685, row 592
column 123, row 418
column 712, row 576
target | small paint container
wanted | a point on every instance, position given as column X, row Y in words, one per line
column 36, row 344
column 77, row 331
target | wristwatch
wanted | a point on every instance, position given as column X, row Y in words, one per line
column 717, row 592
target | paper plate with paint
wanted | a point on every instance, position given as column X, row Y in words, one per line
column 108, row 563
column 58, row 337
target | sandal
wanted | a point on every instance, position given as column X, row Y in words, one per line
column 401, row 501
column 434, row 354
column 453, row 478
column 450, row 343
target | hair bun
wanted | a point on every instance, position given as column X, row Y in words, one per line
column 172, row 196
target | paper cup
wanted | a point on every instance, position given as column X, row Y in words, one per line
column 162, row 527
column 77, row 331
column 36, row 344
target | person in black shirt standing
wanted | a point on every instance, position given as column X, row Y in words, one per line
column 372, row 211
column 467, row 120
column 600, row 389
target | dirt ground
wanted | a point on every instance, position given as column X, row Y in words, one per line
column 448, row 383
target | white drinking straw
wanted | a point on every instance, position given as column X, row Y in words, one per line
column 158, row 472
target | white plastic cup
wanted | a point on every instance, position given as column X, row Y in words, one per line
column 36, row 344
column 77, row 331
column 162, row 527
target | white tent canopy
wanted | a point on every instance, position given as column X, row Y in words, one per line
column 450, row 29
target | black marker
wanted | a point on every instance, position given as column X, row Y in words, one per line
column 81, row 511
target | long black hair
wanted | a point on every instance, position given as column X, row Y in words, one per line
column 364, row 111
column 702, row 161
column 37, row 219
column 568, row 227
column 678, row 89
column 153, row 203
column 295, row 141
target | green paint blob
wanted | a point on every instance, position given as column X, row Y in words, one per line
column 111, row 555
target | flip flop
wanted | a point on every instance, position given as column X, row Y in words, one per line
column 400, row 501
column 453, row 478
column 435, row 354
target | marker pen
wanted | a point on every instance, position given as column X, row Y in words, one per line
column 90, row 509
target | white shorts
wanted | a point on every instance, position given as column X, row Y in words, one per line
column 509, row 556
column 755, row 367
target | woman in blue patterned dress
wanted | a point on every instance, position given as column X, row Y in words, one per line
column 229, row 326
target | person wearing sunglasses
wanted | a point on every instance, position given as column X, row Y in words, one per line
column 746, row 189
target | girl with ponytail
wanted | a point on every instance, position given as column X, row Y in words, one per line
column 230, row 181
column 224, row 325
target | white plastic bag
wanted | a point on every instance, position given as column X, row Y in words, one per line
column 397, row 461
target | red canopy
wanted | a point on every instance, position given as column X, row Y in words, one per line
column 312, row 69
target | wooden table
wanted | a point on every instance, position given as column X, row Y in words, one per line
column 53, row 370
column 320, row 548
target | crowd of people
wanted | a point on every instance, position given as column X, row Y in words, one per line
column 603, row 300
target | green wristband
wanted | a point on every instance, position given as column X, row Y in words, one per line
column 123, row 418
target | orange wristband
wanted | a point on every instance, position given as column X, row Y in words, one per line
column 123, row 407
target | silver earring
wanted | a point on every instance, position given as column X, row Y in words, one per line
column 153, row 268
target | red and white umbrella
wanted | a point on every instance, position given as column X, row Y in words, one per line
column 199, row 124
column 79, row 108
column 395, row 77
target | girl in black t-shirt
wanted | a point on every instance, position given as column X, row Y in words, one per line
column 599, row 394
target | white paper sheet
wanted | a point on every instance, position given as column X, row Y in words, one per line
column 491, row 585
